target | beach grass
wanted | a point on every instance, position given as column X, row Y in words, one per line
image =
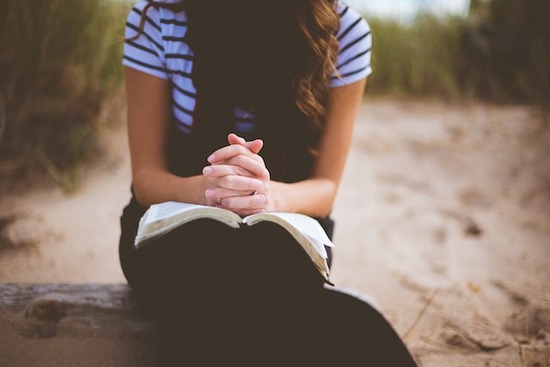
column 416, row 60
column 500, row 53
column 60, row 60
column 60, row 65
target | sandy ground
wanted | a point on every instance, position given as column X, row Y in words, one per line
column 442, row 217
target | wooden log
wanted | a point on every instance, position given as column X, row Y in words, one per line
column 80, row 325
column 73, row 324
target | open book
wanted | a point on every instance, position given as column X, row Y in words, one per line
column 161, row 218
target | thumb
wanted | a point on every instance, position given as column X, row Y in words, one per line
column 255, row 145
column 234, row 139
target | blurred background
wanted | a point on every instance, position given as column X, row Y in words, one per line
column 443, row 212
column 60, row 67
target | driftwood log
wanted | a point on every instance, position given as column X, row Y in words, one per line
column 73, row 325
column 78, row 325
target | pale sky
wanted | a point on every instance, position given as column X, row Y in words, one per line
column 405, row 9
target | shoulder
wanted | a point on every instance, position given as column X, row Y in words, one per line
column 152, row 29
column 352, row 23
column 155, row 14
column 143, row 11
column 355, row 41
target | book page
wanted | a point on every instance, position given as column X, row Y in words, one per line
column 308, row 226
column 165, row 210
column 305, row 225
column 307, row 231
column 162, row 218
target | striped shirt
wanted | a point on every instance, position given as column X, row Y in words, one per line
column 161, row 51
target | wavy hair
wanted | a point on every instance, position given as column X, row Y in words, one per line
column 318, row 23
column 282, row 69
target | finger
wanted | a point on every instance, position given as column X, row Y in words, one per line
column 235, row 183
column 255, row 167
column 230, row 151
column 235, row 139
column 220, row 170
column 239, row 183
column 217, row 194
column 246, row 203
column 255, row 145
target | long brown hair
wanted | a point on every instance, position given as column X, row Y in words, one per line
column 318, row 22
column 278, row 62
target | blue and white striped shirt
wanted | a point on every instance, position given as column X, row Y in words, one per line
column 162, row 52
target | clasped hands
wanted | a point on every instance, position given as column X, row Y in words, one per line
column 237, row 178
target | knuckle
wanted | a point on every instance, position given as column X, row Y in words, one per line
column 259, row 159
column 239, row 149
column 229, row 181
column 243, row 172
column 239, row 160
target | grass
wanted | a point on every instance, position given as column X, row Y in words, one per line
column 501, row 53
column 416, row 60
column 60, row 63
column 60, row 60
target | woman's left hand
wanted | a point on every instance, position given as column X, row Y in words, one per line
column 234, row 168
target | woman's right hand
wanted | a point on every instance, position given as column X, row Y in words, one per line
column 237, row 178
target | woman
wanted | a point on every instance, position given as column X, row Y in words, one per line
column 247, row 105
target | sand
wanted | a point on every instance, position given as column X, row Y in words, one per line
column 442, row 217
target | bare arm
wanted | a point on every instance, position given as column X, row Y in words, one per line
column 148, row 119
column 148, row 100
column 314, row 196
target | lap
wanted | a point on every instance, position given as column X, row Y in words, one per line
column 253, row 296
column 210, row 257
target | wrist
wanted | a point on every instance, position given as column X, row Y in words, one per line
column 278, row 199
column 313, row 197
column 191, row 190
column 159, row 186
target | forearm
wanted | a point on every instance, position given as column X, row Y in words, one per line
column 155, row 185
column 313, row 197
column 316, row 195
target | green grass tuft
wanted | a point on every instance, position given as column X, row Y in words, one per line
column 59, row 60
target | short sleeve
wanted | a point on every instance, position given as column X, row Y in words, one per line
column 145, row 52
column 355, row 39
